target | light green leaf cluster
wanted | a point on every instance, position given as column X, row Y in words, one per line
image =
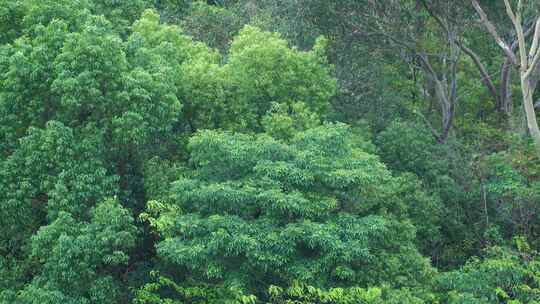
column 503, row 276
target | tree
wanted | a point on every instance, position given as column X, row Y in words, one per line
column 262, row 69
column 42, row 13
column 50, row 172
column 410, row 148
column 27, row 67
column 11, row 14
column 300, row 293
column 122, row 13
column 220, row 126
column 98, row 85
column 252, row 211
column 78, row 261
column 500, row 92
column 527, row 61
column 384, row 27
column 502, row 275
column 236, row 93
column 214, row 25
column 297, row 293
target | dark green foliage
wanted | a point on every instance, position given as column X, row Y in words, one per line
column 25, row 96
column 11, row 14
column 42, row 13
column 512, row 192
column 122, row 13
column 79, row 261
column 410, row 147
column 503, row 276
column 214, row 25
column 49, row 173
column 246, row 152
column 130, row 103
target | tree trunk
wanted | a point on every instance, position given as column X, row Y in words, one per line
column 528, row 62
column 506, row 103
column 528, row 104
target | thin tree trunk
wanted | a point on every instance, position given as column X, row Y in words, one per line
column 528, row 104
column 445, row 97
column 505, row 103
column 484, row 74
column 528, row 59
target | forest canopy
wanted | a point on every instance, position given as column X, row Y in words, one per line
column 273, row 151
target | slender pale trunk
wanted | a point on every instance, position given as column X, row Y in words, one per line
column 528, row 59
column 528, row 104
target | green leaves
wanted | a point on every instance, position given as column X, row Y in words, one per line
column 85, row 101
column 262, row 70
column 283, row 121
column 11, row 14
column 89, row 70
column 502, row 275
column 122, row 13
column 79, row 258
column 50, row 172
column 42, row 13
column 255, row 207
column 106, row 112
column 300, row 293
column 236, row 94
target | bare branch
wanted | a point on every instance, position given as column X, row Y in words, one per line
column 516, row 20
column 534, row 46
column 434, row 16
column 533, row 64
column 427, row 66
column 493, row 31
column 486, row 78
column 534, row 54
column 509, row 10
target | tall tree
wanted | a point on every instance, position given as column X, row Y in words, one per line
column 527, row 60
column 252, row 211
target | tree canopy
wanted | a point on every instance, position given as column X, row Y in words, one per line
column 273, row 151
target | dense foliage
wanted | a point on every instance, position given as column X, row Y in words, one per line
column 273, row 151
